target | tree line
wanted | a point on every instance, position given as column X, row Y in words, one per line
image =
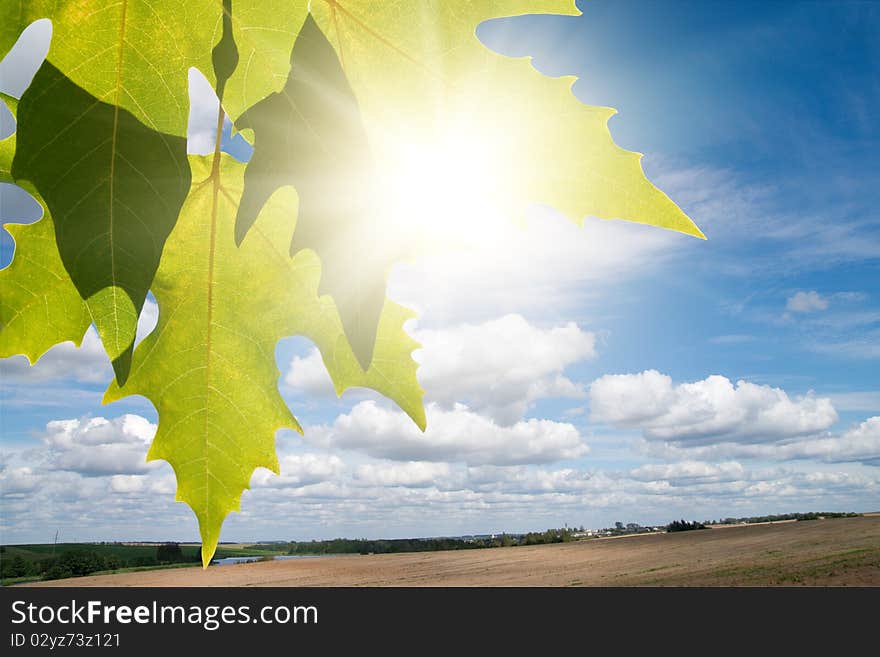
column 79, row 562
column 811, row 515
column 684, row 526
column 390, row 546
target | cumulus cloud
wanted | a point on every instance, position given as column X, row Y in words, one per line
column 98, row 446
column 126, row 483
column 415, row 474
column 806, row 302
column 533, row 480
column 709, row 411
column 155, row 484
column 87, row 363
column 298, row 470
column 860, row 443
column 18, row 480
column 499, row 367
column 689, row 471
column 307, row 373
column 502, row 366
column 458, row 434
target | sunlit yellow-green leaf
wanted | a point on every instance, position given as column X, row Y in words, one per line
column 131, row 53
column 425, row 82
column 39, row 305
column 209, row 366
column 137, row 53
column 264, row 34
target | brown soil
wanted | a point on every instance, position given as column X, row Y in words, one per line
column 833, row 552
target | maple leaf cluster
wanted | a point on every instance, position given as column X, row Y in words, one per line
column 239, row 256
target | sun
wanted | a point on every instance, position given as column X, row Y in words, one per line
column 448, row 192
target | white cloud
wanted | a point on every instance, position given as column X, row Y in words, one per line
column 859, row 444
column 453, row 435
column 87, row 363
column 502, row 366
column 98, row 446
column 499, row 367
column 18, row 480
column 127, row 483
column 147, row 321
column 689, row 471
column 307, row 373
column 806, row 302
column 413, row 474
column 708, row 411
column 630, row 398
column 298, row 470
column 203, row 108
column 533, row 480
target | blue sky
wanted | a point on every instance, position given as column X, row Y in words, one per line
column 672, row 377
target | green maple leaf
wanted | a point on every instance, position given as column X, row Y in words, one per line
column 419, row 74
column 113, row 89
column 310, row 136
column 209, row 366
column 263, row 34
column 131, row 53
column 114, row 188
column 39, row 305
column 137, row 53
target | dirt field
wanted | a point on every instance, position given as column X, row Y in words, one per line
column 835, row 552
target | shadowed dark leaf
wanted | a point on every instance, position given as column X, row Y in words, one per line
column 310, row 136
column 114, row 188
